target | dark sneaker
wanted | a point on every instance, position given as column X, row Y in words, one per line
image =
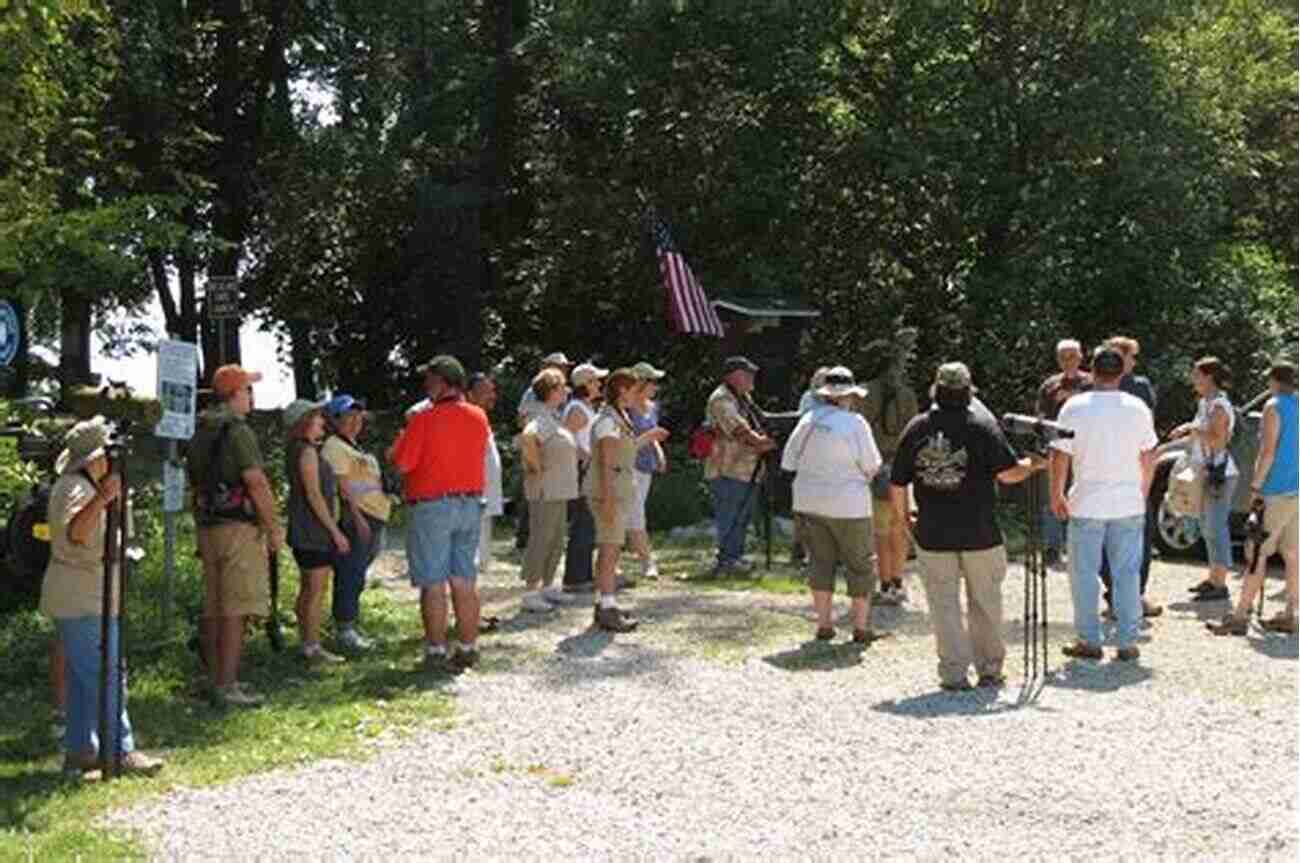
column 956, row 685
column 864, row 636
column 1127, row 654
column 1230, row 624
column 138, row 764
column 614, row 620
column 81, row 768
column 464, row 660
column 1082, row 650
column 992, row 681
column 584, row 587
column 1052, row 556
column 436, row 663
column 1211, row 594
column 1150, row 609
column 1280, row 623
column 1203, row 586
column 824, row 633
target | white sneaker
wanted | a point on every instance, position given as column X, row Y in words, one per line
column 350, row 639
column 535, row 602
column 317, row 655
column 235, row 696
column 650, row 569
column 555, row 596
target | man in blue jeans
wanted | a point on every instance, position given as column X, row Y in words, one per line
column 1112, row 455
column 732, row 469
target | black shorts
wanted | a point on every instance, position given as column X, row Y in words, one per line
column 308, row 558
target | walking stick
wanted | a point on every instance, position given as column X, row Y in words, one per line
column 273, row 632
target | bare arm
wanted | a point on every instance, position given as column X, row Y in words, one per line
column 1024, row 468
column 259, row 489
column 1147, row 461
column 1216, row 437
column 1060, row 467
column 82, row 526
column 531, row 450
column 1270, row 432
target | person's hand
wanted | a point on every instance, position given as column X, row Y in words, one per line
column 1060, row 507
column 766, row 444
column 110, row 487
column 1037, row 462
column 658, row 434
column 341, row 542
column 275, row 539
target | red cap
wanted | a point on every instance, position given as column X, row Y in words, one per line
column 228, row 380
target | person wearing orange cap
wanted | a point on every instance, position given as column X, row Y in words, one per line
column 237, row 524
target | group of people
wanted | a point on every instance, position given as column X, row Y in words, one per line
column 873, row 475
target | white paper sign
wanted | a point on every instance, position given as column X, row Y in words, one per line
column 173, row 487
column 178, row 370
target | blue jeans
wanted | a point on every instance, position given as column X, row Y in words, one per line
column 350, row 569
column 1121, row 538
column 442, row 538
column 80, row 637
column 1214, row 522
column 1053, row 528
column 733, row 504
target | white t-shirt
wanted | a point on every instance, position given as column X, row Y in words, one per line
column 1202, row 422
column 605, row 426
column 583, row 437
column 834, row 456
column 1111, row 431
column 493, row 497
column 421, row 405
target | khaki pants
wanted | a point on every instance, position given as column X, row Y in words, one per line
column 982, row 571
column 839, row 540
column 236, row 570
column 548, row 524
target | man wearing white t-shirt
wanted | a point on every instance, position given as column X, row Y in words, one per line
column 1112, row 455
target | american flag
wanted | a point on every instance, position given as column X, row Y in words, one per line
column 688, row 308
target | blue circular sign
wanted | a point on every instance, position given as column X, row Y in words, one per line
column 10, row 332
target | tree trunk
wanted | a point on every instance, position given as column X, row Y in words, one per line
column 304, row 358
column 74, row 342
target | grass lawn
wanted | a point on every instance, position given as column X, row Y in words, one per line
column 335, row 712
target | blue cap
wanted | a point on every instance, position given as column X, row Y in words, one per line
column 342, row 403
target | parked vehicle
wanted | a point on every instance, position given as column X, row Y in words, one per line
column 1180, row 536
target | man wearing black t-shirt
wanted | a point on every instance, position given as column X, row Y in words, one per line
column 951, row 455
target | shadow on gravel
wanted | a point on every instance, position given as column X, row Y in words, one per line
column 1105, row 676
column 817, row 656
column 1275, row 645
column 975, row 702
column 1202, row 610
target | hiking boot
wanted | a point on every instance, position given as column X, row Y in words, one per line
column 1150, row 609
column 615, row 620
column 1281, row 622
column 1211, row 594
column 1082, row 650
column 554, row 596
column 992, row 681
column 138, row 764
column 234, row 695
column 350, row 639
column 463, row 660
column 1230, row 624
column 1127, row 654
column 437, row 663
column 1202, row 586
column 535, row 602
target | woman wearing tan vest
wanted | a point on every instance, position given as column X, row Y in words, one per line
column 610, row 489
column 550, row 454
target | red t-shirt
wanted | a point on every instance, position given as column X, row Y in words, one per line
column 441, row 451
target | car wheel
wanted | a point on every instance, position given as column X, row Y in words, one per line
column 1175, row 535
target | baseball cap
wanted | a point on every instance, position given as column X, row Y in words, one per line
column 953, row 376
column 1107, row 361
column 556, row 359
column 229, row 379
column 731, row 364
column 297, row 409
column 446, row 367
column 342, row 403
column 646, row 372
column 586, row 373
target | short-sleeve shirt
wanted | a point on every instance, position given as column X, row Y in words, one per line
column 610, row 425
column 493, row 495
column 731, row 457
column 359, row 474
column 951, row 457
column 1057, row 390
column 1204, row 412
column 584, row 436
column 647, row 459
column 239, row 452
column 1111, row 431
column 74, row 579
column 834, row 457
column 888, row 407
column 441, row 450
column 558, row 450
column 529, row 406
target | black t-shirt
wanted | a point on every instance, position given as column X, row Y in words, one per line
column 952, row 458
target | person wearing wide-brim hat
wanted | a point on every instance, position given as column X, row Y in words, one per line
column 314, row 533
column 834, row 456
column 72, row 594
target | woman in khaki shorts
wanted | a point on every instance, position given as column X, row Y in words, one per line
column 610, row 489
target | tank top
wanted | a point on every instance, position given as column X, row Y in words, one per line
column 1204, row 409
column 306, row 532
column 1284, row 476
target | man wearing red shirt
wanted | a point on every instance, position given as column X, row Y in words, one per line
column 441, row 455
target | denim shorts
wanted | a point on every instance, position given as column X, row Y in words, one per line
column 441, row 539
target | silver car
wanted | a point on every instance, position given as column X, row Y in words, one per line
column 1180, row 536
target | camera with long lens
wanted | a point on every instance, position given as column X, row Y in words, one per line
column 1045, row 430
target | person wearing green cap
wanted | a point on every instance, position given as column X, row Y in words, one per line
column 650, row 459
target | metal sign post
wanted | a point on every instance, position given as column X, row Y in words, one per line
column 178, row 377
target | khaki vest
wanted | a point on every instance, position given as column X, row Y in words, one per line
column 622, row 464
column 559, row 451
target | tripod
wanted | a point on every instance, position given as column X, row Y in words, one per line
column 1035, row 611
column 117, row 562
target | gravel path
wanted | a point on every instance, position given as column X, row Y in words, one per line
column 715, row 733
